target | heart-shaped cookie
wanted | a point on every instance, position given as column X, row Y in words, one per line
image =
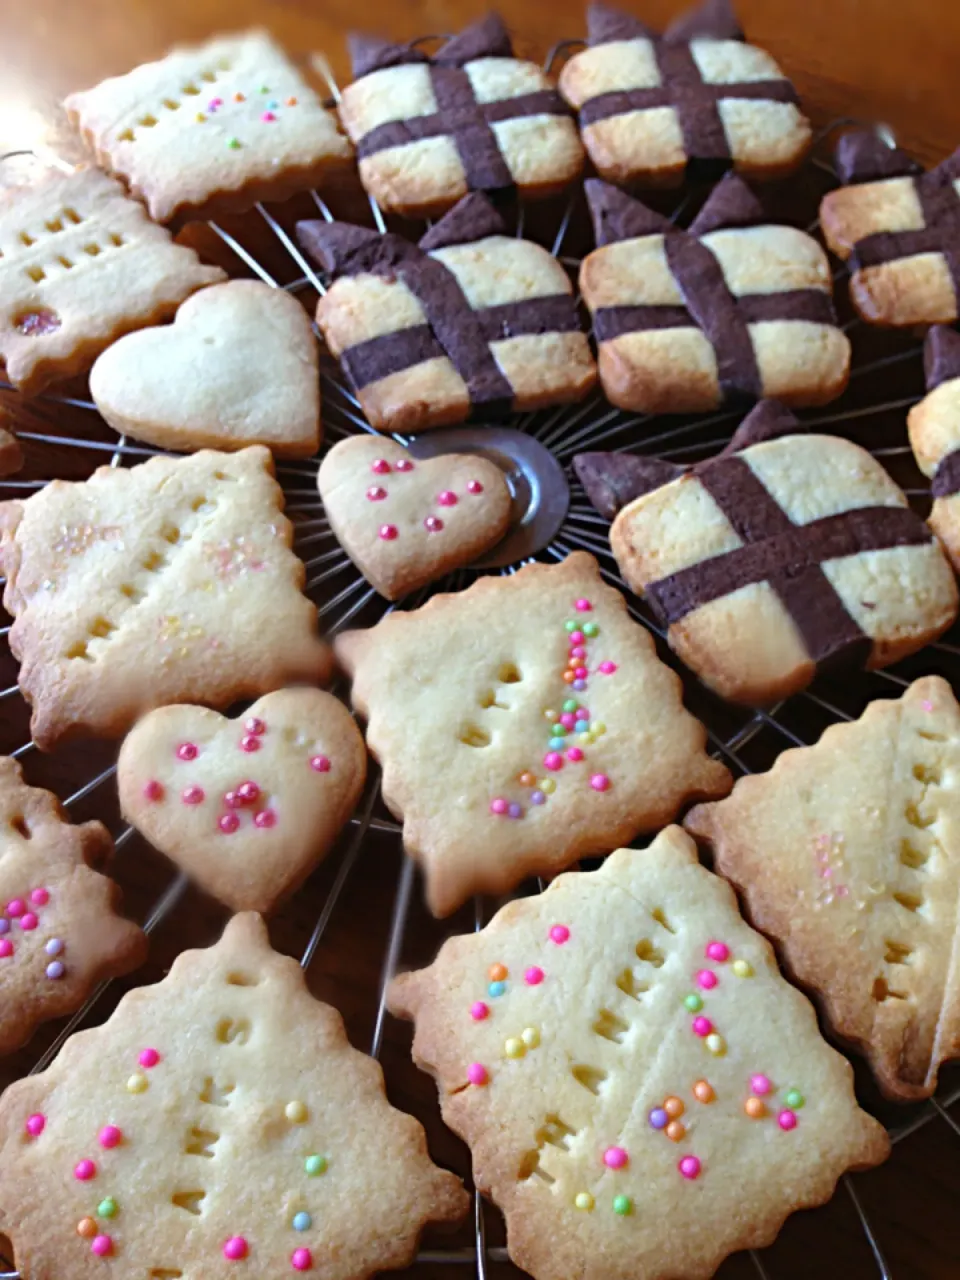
column 248, row 806
column 238, row 366
column 404, row 521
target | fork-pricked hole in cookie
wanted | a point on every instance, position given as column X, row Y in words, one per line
column 190, row 1202
column 215, row 1094
column 201, row 1142
column 591, row 1078
column 882, row 991
column 471, row 735
column 234, row 1030
column 610, row 1026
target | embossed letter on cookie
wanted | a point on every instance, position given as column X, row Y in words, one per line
column 249, row 806
column 218, row 1126
column 849, row 857
column 521, row 724
column 783, row 552
column 641, row 1090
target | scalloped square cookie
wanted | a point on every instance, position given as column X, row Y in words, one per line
column 210, row 128
column 522, row 724
column 934, row 429
column 641, row 1091
column 219, row 1124
column 172, row 581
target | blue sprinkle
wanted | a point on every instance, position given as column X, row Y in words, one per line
column 581, row 726
column 273, row 106
column 537, row 797
column 579, row 685
column 556, row 744
column 515, row 811
column 496, row 989
column 302, row 1222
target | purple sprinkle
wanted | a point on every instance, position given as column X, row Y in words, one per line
column 658, row 1118
column 537, row 797
column 4, row 925
column 54, row 947
column 515, row 811
column 579, row 685
column 55, row 969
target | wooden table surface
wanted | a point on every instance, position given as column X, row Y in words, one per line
column 890, row 60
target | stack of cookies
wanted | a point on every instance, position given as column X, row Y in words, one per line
column 642, row 1088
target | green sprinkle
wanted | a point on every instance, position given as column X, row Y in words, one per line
column 693, row 1002
column 558, row 729
column 590, row 628
column 794, row 1098
column 622, row 1205
column 570, row 626
column 233, row 144
column 315, row 1165
column 571, row 704
column 264, row 89
column 107, row 1208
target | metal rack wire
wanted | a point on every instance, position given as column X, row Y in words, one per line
column 747, row 740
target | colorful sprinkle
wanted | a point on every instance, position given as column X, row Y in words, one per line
column 315, row 1165
column 622, row 1205
column 55, row 969
column 239, row 97
column 590, row 629
column 320, row 764
column 497, row 972
column 265, row 818
column 388, row 532
column 574, row 755
column 742, row 969
column 584, row 1200
column 84, row 1171
column 530, row 1037
column 256, row 726
column 250, row 742
column 514, row 1047
column 718, row 951
column 571, row 626
column 600, row 782
column 674, row 1107
column 268, row 117
column 559, row 933
column 16, row 907
column 36, row 1124
column 291, row 102
column 690, row 1167
column 404, row 464
column 479, row 1011
column 86, row 1228
column 533, row 976
column 716, row 1045
column 703, row 1091
column 658, row 1118
column 235, row 1249
column 755, row 1109
column 761, row 1085
column 187, row 751
column 702, row 1026
column 514, row 811
column 248, row 792
column 4, row 925
column 376, row 493
column 6, row 948
column 675, row 1131
column 192, row 795
column 148, row 1058
column 233, row 144
column 548, row 786
column 107, row 1208
column 576, row 637
column 787, row 1120
column 153, row 790
column 28, row 922
column 556, row 744
column 296, row 1112
column 301, row 1259
column 607, row 668
column 110, row 1136
column 707, row 979
column 499, row 805
column 447, row 498
column 583, row 605
column 137, row 1083
column 433, row 524
column 537, row 797
column 474, row 486
column 553, row 761
column 477, row 1073
column 228, row 823
column 302, row 1222
column 381, row 467
column 693, row 1002
column 615, row 1157
column 794, row 1099
column 102, row 1246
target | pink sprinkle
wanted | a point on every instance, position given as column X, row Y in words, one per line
column 568, row 719
column 36, row 1125
column 404, row 464
column 559, row 933
column 702, row 1026
column 479, row 1011
column 28, row 922
column 320, row 764
column 574, row 755
column 615, row 1157
column 249, row 742
column 268, row 116
column 301, row 1260
column 148, row 1058
column 581, row 673
column 153, row 790
column 247, row 792
column 718, row 951
column 101, row 1246
column 16, row 907
column 576, row 637
column 265, row 818
column 499, row 805
column 842, row 891
column 474, row 486
column 187, row 751
column 583, row 606
column 40, row 897
column 228, row 823
column 381, row 467
column 433, row 524
column 600, row 782
column 607, row 668
column 690, row 1167
column 376, row 493
column 760, row 1085
column 85, row 1170
column 192, row 795
column 927, row 704
column 6, row 948
column 553, row 760
column 533, row 976
column 110, row 1136
column 578, row 651
column 707, row 979
column 447, row 499
column 255, row 726
column 235, row 1249
column 232, row 799
column 787, row 1120
column 477, row 1073
column 388, row 531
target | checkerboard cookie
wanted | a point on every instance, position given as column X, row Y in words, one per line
column 211, row 128
column 169, row 582
column 696, row 98
column 641, row 1090
column 934, row 427
column 846, row 853
column 428, row 128
column 406, row 521
column 785, row 552
column 59, row 930
column 734, row 309
column 219, row 1124
column 522, row 724
column 899, row 231
column 468, row 321
column 238, row 366
column 82, row 264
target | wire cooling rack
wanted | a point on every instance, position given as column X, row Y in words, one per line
column 65, row 433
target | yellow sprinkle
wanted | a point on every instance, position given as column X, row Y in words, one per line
column 295, row 1112
column 548, row 786
column 200, row 117
column 742, row 969
column 549, row 715
column 588, row 738
column 716, row 1045
column 137, row 1083
column 514, row 1048
column 584, row 1201
column 530, row 1037
column 599, row 728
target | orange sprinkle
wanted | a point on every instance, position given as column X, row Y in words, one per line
column 569, row 676
column 673, row 1107
column 755, row 1108
column 497, row 972
column 675, row 1131
column 87, row 1228
column 238, row 97
column 291, row 102
column 527, row 779
column 703, row 1091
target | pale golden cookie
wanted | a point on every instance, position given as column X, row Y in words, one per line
column 238, row 366
column 641, row 1091
column 404, row 521
column 60, row 933
column 81, row 264
column 934, row 427
column 218, row 1125
column 522, row 724
column 848, row 857
column 249, row 806
column 211, row 128
column 169, row 582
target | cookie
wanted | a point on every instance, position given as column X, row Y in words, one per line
column 238, row 366
column 641, row 1091
column 172, row 581
column 785, row 552
column 82, row 264
column 522, row 724
column 696, row 99
column 428, row 128
column 60, row 934
column 211, row 128
column 247, row 807
column 899, row 231
column 847, row 857
column 11, row 455
column 734, row 309
column 471, row 320
column 404, row 522
column 934, row 427
column 218, row 1124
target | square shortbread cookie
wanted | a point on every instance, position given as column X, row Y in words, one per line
column 934, row 427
